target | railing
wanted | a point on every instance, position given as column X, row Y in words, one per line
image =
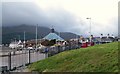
column 12, row 61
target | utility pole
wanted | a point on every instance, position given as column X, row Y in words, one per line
column 36, row 36
column 90, row 25
column 24, row 40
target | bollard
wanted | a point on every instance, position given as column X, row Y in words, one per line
column 9, row 61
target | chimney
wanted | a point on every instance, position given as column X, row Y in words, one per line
column 107, row 35
column 113, row 36
column 91, row 36
column 101, row 36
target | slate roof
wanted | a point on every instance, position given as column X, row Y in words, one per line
column 52, row 36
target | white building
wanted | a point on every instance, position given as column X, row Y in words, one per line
column 16, row 44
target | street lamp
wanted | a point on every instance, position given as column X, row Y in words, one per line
column 36, row 36
column 24, row 41
column 90, row 30
column 90, row 25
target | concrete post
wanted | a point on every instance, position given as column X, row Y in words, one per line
column 29, row 57
column 9, row 60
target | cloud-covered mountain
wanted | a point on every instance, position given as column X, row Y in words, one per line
column 29, row 13
column 15, row 13
column 11, row 33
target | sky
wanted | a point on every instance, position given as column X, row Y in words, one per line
column 64, row 15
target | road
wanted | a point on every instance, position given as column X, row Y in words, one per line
column 21, row 58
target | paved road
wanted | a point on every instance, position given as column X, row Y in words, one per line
column 21, row 59
column 6, row 49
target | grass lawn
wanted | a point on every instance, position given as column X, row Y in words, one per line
column 98, row 58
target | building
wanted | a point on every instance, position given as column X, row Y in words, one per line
column 52, row 36
column 105, row 39
column 16, row 44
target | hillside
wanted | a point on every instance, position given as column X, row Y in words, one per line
column 12, row 32
column 99, row 58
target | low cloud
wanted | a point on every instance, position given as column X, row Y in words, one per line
column 14, row 13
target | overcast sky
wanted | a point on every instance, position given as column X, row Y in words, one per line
column 64, row 15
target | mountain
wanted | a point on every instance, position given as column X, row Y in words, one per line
column 10, row 33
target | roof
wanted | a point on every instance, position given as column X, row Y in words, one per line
column 52, row 36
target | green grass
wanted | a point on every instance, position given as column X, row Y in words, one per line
column 98, row 58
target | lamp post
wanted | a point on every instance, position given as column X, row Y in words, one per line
column 90, row 25
column 90, row 30
column 36, row 35
column 24, row 41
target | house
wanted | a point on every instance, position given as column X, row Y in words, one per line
column 16, row 44
column 105, row 39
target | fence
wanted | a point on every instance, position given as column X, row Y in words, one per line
column 57, row 49
column 13, row 61
column 16, row 59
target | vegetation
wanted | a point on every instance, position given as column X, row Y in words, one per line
column 98, row 58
